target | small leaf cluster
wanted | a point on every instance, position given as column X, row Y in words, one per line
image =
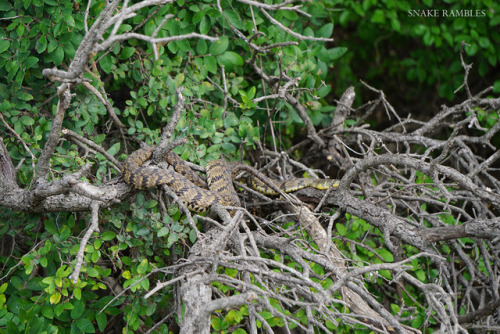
column 41, row 297
column 36, row 34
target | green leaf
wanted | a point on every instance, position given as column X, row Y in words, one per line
column 114, row 149
column 420, row 275
column 98, row 139
column 20, row 30
column 230, row 120
column 234, row 19
column 336, row 53
column 323, row 90
column 25, row 97
column 142, row 267
column 211, row 64
column 126, row 53
column 395, row 308
column 50, row 227
column 192, row 236
column 230, row 59
column 396, row 25
column 58, row 55
column 102, row 321
column 378, row 16
column 201, row 47
column 205, row 25
column 41, row 44
column 55, row 298
column 65, row 233
column 106, row 63
column 4, row 45
column 145, row 284
column 162, row 232
column 108, row 235
column 150, row 27
column 179, row 79
column 290, row 15
column 416, row 323
column 386, row 255
column 19, row 78
column 142, row 232
column 77, row 293
column 228, row 147
column 47, row 312
column 95, row 256
column 70, row 21
column 142, row 101
column 172, row 238
column 198, row 17
column 5, row 5
column 92, row 272
column 30, row 62
column 341, row 229
column 216, row 323
column 85, row 325
column 217, row 48
column 496, row 86
column 163, row 102
column 184, row 45
column 12, row 70
column 385, row 273
column 52, row 45
column 60, row 309
column 325, row 31
column 251, row 93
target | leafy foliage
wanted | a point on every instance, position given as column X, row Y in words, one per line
column 417, row 42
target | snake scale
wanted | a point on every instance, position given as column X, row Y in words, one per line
column 193, row 190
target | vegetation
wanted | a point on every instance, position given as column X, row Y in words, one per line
column 408, row 242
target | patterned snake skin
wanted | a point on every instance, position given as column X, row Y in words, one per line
column 193, row 191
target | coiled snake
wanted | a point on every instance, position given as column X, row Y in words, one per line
column 192, row 189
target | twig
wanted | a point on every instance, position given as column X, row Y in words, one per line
column 76, row 137
column 168, row 130
column 467, row 68
column 93, row 227
column 33, row 159
column 293, row 33
column 105, row 103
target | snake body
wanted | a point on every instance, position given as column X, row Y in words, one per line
column 266, row 186
column 192, row 189
column 194, row 196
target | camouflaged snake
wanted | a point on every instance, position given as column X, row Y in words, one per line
column 193, row 191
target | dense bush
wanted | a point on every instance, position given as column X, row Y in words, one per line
column 230, row 111
column 410, row 53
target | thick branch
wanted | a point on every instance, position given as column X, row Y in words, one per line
column 7, row 171
column 55, row 133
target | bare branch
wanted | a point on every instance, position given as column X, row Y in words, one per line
column 55, row 133
column 123, row 37
column 93, row 227
column 293, row 33
column 467, row 68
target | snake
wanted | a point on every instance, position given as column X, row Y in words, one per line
column 196, row 193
